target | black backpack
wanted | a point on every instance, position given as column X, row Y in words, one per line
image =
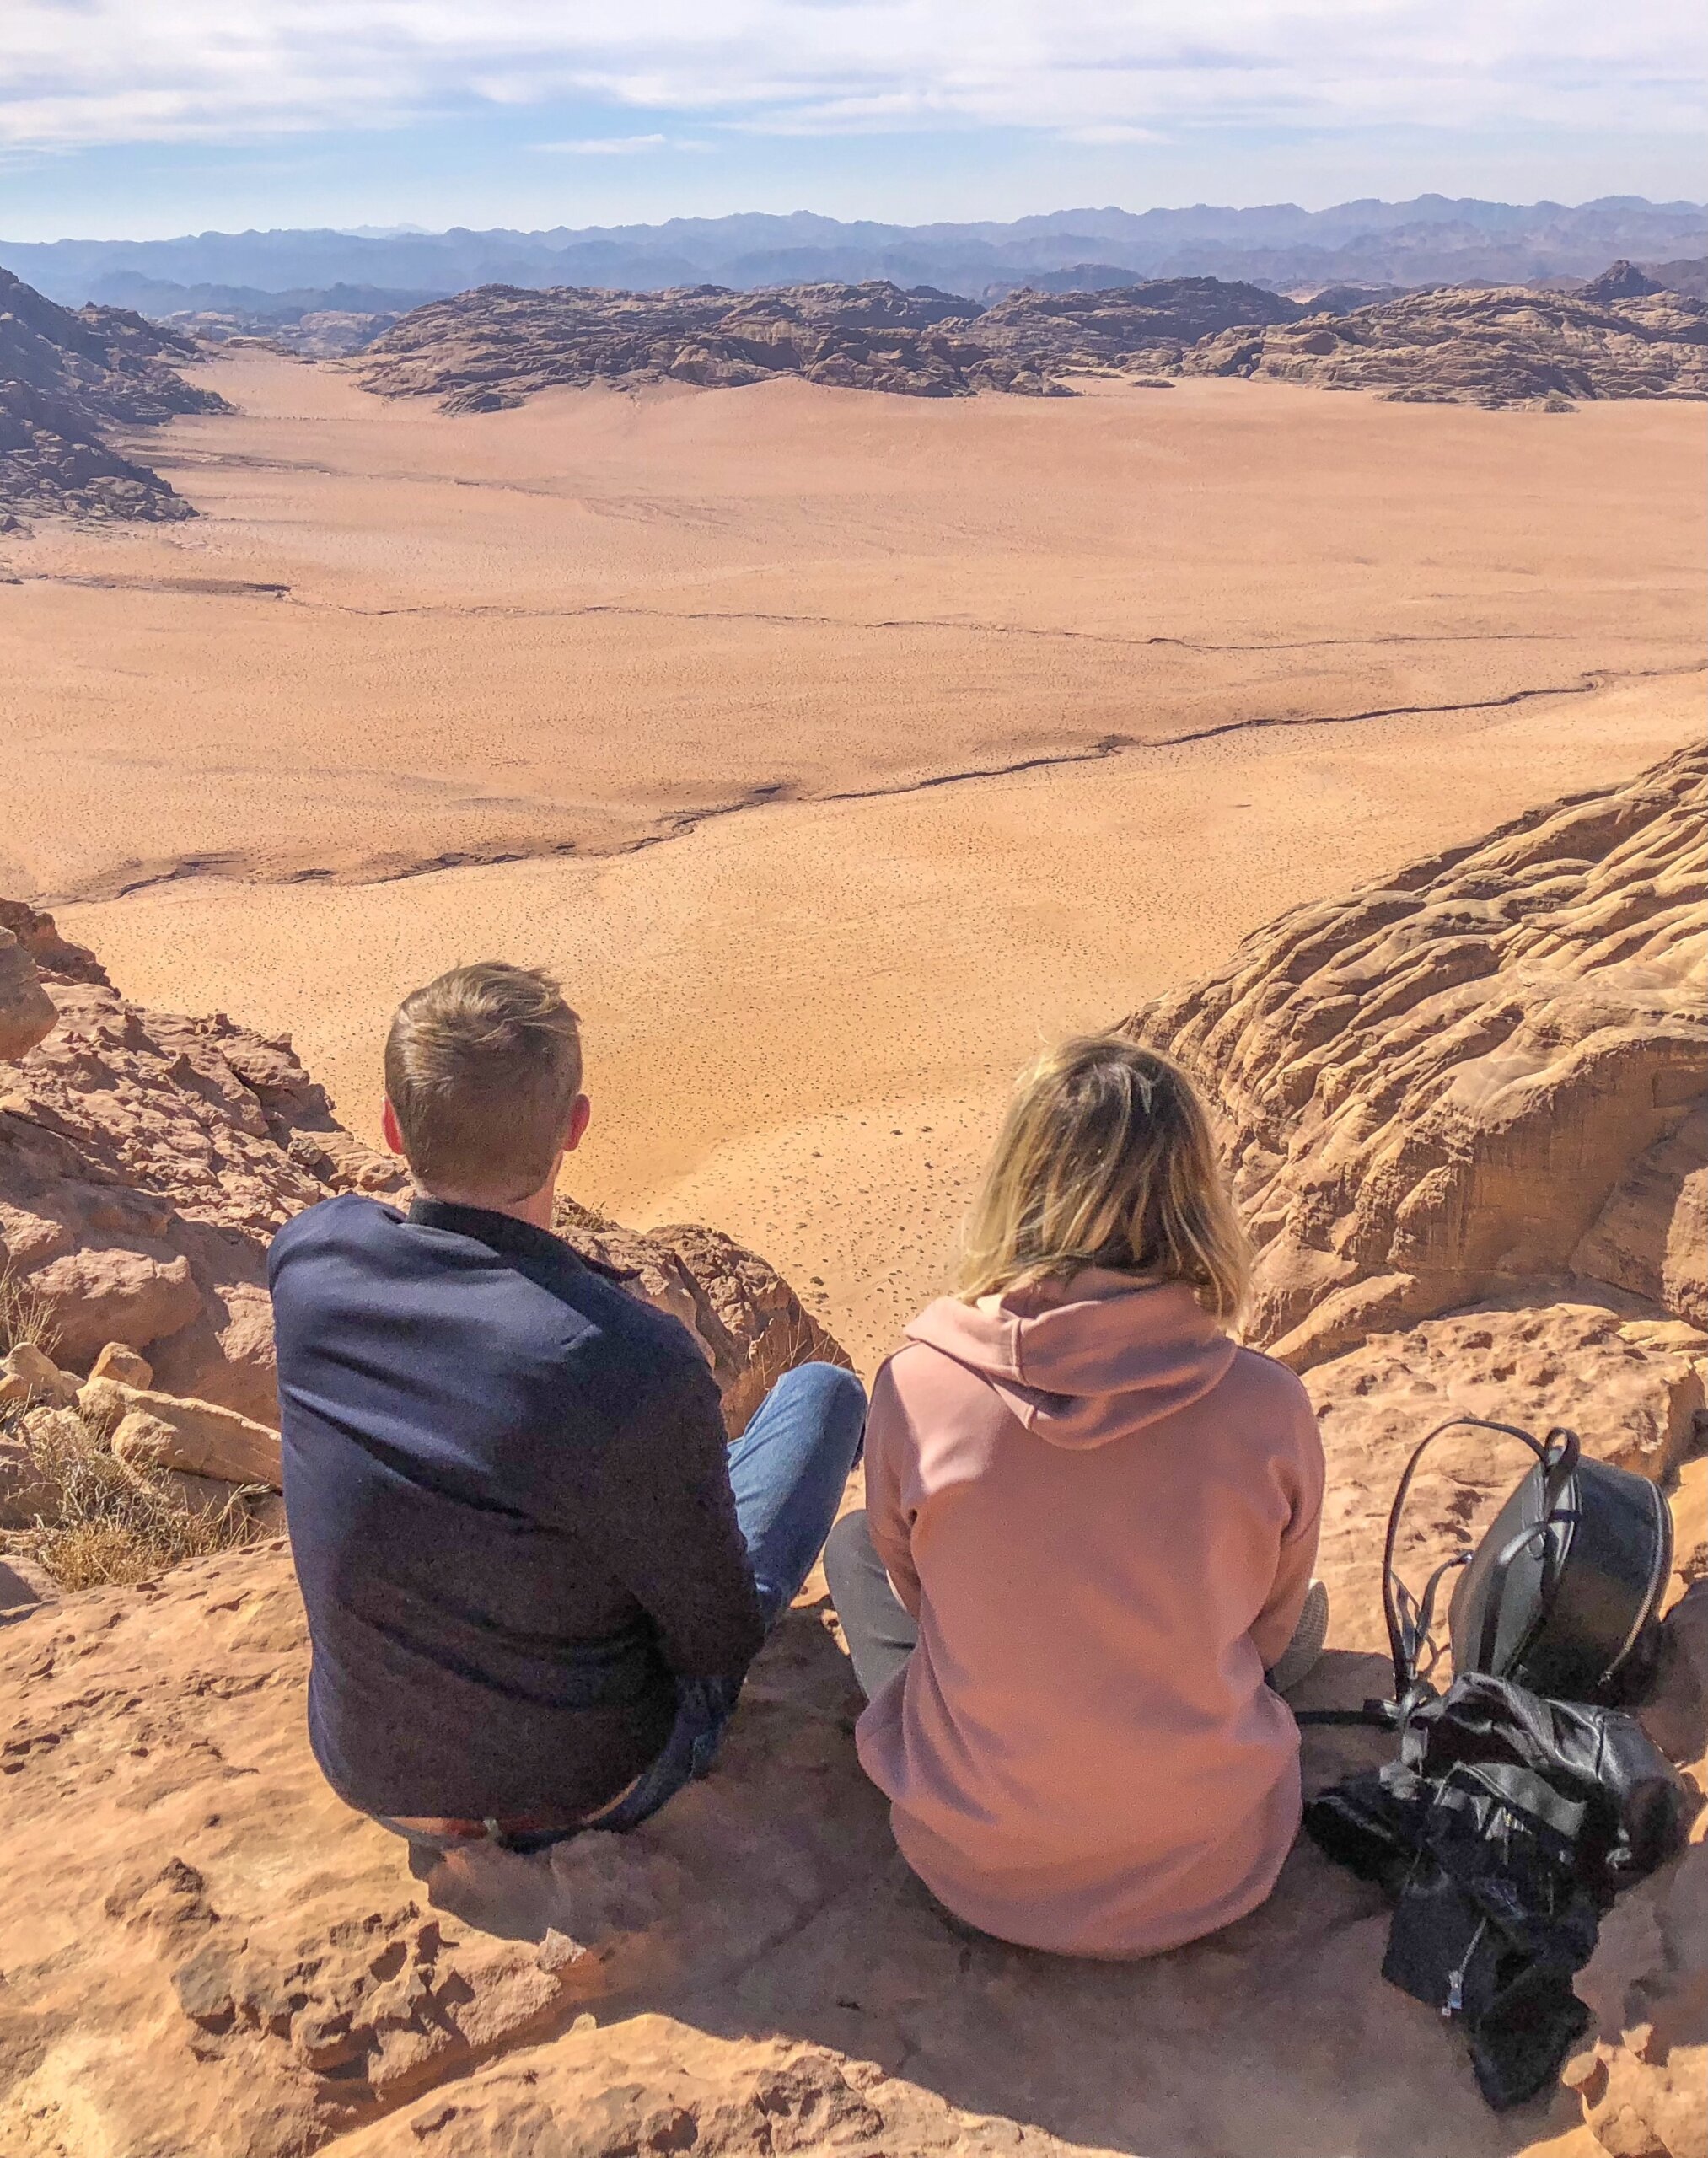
column 1562, row 1594
column 1523, row 1799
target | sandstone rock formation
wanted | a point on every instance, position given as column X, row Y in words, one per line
column 68, row 375
column 1619, row 281
column 27, row 1013
column 146, row 1160
column 1470, row 347
column 749, row 1322
column 497, row 345
column 1492, row 1068
column 1147, row 325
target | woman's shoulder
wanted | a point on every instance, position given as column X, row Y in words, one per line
column 1264, row 1381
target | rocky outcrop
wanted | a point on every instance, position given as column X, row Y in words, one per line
column 1491, row 1069
column 1466, row 1111
column 66, row 377
column 748, row 1321
column 1622, row 337
column 1147, row 325
column 1619, row 281
column 1454, row 345
column 498, row 345
column 27, row 1012
column 146, row 1160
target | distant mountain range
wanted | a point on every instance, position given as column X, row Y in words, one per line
column 1430, row 240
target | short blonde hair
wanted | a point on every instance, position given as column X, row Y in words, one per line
column 1105, row 1159
column 482, row 1067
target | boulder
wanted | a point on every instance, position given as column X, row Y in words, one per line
column 118, row 1361
column 155, row 1430
column 749, row 1322
column 143, row 1446
column 28, row 1375
column 27, row 1012
column 104, row 1292
column 25, row 1494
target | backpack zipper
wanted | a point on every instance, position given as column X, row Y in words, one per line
column 1456, row 1979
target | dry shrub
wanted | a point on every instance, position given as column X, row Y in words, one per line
column 23, row 1315
column 108, row 1526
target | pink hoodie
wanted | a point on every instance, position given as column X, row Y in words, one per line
column 1103, row 1516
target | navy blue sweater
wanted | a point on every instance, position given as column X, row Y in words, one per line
column 509, row 1507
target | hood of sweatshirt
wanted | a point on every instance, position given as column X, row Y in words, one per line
column 1083, row 1361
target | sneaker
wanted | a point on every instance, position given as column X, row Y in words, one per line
column 1300, row 1657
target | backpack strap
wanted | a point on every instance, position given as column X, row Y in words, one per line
column 1409, row 1619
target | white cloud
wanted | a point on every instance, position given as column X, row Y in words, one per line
column 612, row 146
column 76, row 72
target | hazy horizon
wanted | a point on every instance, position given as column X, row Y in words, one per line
column 149, row 123
column 412, row 229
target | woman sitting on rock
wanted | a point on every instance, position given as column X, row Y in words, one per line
column 1091, row 1522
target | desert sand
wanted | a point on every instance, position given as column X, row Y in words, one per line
column 842, row 748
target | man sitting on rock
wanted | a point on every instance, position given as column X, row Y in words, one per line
column 535, row 1572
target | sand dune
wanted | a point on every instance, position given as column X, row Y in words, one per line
column 565, row 633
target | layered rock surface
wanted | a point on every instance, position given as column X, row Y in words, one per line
column 67, row 377
column 1469, row 346
column 1492, row 1067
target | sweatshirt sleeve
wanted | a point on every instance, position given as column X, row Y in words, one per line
column 1303, row 1470
column 679, row 1549
column 889, row 1519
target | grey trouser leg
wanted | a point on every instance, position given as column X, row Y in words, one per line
column 881, row 1636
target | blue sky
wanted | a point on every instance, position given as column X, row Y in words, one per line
column 144, row 118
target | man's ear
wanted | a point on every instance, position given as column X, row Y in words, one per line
column 388, row 1127
column 581, row 1109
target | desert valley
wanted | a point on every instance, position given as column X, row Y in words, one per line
column 837, row 748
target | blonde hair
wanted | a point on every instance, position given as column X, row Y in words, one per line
column 482, row 1067
column 1105, row 1159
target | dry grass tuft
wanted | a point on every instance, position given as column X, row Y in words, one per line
column 110, row 1527
column 23, row 1315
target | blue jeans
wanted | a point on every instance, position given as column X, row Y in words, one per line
column 788, row 1470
